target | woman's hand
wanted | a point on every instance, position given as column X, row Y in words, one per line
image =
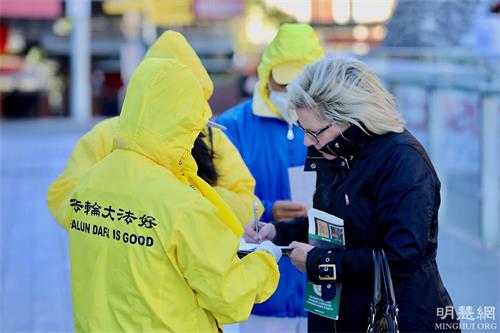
column 267, row 231
column 286, row 210
column 299, row 254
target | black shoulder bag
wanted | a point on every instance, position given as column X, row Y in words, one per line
column 383, row 310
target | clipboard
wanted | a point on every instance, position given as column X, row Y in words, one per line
column 246, row 248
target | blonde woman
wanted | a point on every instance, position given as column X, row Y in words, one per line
column 376, row 177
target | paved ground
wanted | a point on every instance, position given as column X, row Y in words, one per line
column 35, row 294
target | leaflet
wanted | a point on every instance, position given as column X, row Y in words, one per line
column 325, row 231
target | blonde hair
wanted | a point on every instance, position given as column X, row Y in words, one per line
column 345, row 91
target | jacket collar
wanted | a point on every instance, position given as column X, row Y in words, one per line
column 346, row 146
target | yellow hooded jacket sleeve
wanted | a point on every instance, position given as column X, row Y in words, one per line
column 156, row 250
column 236, row 183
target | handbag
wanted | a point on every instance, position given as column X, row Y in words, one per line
column 383, row 309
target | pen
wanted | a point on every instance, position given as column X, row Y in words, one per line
column 255, row 215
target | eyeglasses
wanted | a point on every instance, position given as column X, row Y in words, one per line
column 314, row 135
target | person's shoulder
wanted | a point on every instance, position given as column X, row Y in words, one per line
column 181, row 202
column 109, row 124
column 216, row 138
column 219, row 137
column 237, row 112
column 401, row 149
column 191, row 202
column 162, row 185
column 103, row 130
column 398, row 141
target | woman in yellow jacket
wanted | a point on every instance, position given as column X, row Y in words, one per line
column 152, row 245
column 234, row 184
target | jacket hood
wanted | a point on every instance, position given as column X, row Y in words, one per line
column 163, row 113
column 176, row 114
column 173, row 45
column 293, row 43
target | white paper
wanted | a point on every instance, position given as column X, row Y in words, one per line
column 250, row 247
column 247, row 246
column 302, row 185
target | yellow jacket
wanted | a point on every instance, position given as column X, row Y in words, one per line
column 235, row 184
column 152, row 246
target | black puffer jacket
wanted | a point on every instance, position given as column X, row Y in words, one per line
column 387, row 192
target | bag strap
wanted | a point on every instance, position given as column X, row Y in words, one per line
column 377, row 286
column 377, row 278
column 391, row 306
column 384, row 299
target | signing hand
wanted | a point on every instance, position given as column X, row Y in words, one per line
column 299, row 254
column 267, row 231
column 286, row 210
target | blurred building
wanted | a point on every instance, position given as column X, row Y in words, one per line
column 228, row 35
column 35, row 49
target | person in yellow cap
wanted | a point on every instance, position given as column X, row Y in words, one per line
column 152, row 245
column 223, row 168
column 270, row 143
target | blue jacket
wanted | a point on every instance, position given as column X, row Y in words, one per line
column 263, row 144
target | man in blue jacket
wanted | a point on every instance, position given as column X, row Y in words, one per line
column 269, row 144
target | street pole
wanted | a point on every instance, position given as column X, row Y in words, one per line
column 80, row 93
column 490, row 174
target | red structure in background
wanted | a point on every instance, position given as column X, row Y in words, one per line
column 4, row 30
